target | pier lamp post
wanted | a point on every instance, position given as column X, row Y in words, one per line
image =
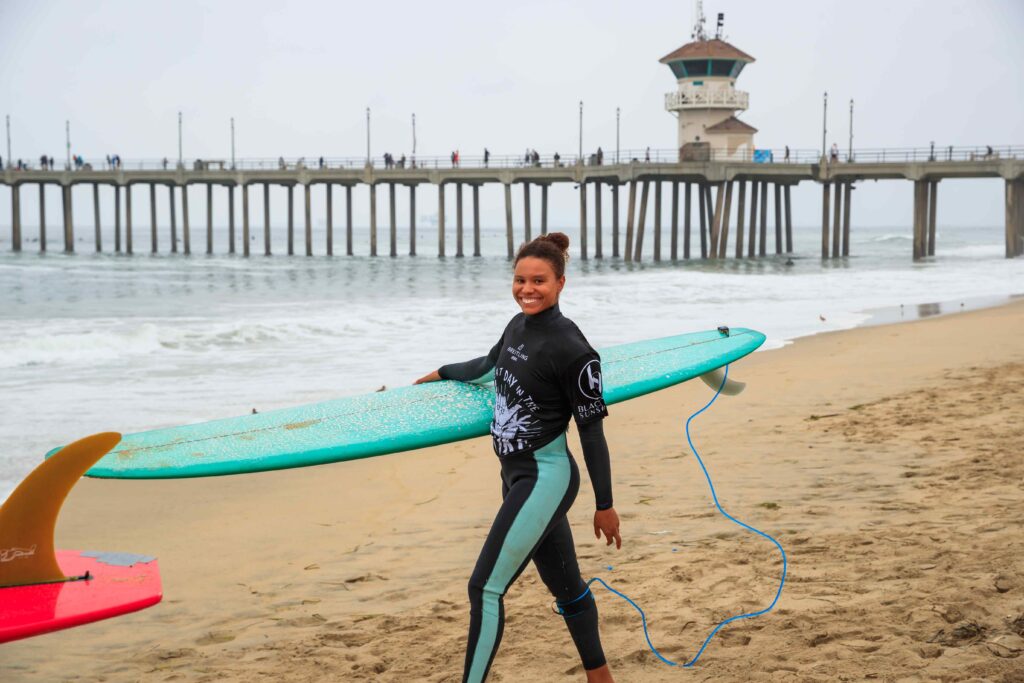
column 581, row 131
column 414, row 136
column 181, row 161
column 824, row 126
column 616, row 135
column 67, row 142
column 232, row 143
column 849, row 149
column 8, row 141
column 367, row 136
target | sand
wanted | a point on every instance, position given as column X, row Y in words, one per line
column 887, row 460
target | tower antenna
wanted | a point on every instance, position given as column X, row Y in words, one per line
column 721, row 24
column 698, row 21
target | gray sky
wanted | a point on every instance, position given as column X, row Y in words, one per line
column 298, row 77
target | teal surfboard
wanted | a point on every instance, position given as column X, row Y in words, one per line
column 396, row 420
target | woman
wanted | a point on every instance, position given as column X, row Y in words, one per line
column 544, row 372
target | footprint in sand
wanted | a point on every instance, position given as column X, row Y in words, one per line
column 214, row 637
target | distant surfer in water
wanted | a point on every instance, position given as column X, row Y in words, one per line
column 544, row 373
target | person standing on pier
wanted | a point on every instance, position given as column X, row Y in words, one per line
column 487, row 156
column 545, row 374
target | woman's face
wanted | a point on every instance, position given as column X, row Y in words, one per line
column 534, row 285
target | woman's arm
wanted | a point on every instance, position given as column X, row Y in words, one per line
column 477, row 371
column 595, row 454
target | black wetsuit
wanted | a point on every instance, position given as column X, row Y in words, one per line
column 544, row 373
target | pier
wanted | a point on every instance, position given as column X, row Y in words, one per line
column 734, row 199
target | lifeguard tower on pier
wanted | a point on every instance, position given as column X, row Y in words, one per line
column 706, row 101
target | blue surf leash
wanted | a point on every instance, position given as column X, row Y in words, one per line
column 748, row 615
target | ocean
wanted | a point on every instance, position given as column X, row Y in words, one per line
column 95, row 342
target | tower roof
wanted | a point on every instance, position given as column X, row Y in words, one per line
column 707, row 49
column 731, row 125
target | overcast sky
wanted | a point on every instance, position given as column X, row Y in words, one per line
column 297, row 77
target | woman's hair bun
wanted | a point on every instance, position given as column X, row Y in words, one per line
column 559, row 239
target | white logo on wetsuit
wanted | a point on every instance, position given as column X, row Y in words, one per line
column 590, row 380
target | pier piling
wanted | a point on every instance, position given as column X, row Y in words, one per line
column 476, row 219
column 752, row 230
column 657, row 221
column 687, row 211
column 96, row 216
column 330, row 217
column 703, row 211
column 412, row 220
column 615, row 220
column 920, row 218
column 778, row 218
column 153, row 244
column 458, row 221
column 630, row 213
column 309, row 219
column 836, row 216
column 583, row 220
column 598, row 247
column 245, row 221
column 740, row 210
column 173, row 211
column 348, row 218
column 716, row 219
column 544, row 209
column 789, row 223
column 526, row 211
column 723, row 236
column 42, row 217
column 847, row 188
column 231, row 217
column 266, row 225
column 509, row 241
column 393, row 227
column 16, row 217
column 117, row 219
column 674, row 240
column 69, row 229
column 826, row 189
column 186, row 231
column 128, row 217
column 641, row 222
column 762, row 247
column 291, row 218
column 209, row 218
column 440, row 220
column 933, row 194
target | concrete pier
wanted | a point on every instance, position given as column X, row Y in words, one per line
column 920, row 218
column 825, row 203
column 1014, row 209
column 712, row 206
column 186, row 231
column 641, row 222
column 330, row 216
column 687, row 219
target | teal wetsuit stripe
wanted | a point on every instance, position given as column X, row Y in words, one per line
column 553, row 476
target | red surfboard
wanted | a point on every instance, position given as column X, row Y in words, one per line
column 43, row 589
column 112, row 584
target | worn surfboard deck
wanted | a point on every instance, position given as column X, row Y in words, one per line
column 118, row 584
column 400, row 419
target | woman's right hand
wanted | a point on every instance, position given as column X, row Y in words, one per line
column 432, row 377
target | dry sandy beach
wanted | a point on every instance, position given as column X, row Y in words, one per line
column 887, row 460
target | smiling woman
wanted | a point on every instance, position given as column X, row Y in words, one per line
column 544, row 373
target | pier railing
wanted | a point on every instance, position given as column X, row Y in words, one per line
column 895, row 155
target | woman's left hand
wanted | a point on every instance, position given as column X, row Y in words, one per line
column 607, row 521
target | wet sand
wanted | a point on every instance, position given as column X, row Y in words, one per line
column 887, row 461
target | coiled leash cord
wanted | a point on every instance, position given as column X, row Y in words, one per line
column 748, row 615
